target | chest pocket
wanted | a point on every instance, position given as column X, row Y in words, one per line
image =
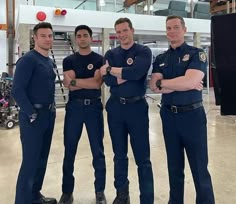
column 181, row 68
column 164, row 68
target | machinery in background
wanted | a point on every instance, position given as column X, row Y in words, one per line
column 9, row 111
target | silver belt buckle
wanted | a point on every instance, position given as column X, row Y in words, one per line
column 122, row 100
column 174, row 109
column 87, row 102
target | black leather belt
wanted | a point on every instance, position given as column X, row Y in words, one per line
column 185, row 108
column 87, row 101
column 126, row 100
column 44, row 106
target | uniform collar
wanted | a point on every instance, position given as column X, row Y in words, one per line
column 180, row 48
column 125, row 50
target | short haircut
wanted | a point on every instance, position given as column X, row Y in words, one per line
column 84, row 27
column 41, row 25
column 124, row 20
column 176, row 17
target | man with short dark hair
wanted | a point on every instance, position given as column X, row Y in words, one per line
column 37, row 115
column 82, row 77
column 125, row 72
column 178, row 75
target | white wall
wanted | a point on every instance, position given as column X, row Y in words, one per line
column 3, row 44
column 142, row 23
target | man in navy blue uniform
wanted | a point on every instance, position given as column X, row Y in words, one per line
column 33, row 89
column 125, row 72
column 82, row 77
column 178, row 75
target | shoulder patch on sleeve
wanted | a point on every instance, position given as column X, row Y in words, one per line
column 202, row 56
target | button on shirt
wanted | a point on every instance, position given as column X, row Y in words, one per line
column 174, row 63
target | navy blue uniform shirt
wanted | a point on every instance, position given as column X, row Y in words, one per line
column 174, row 63
column 84, row 67
column 135, row 63
column 34, row 81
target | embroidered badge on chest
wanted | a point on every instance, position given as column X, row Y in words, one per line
column 186, row 58
column 90, row 66
column 130, row 61
column 202, row 56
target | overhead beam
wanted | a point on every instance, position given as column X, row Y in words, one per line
column 128, row 3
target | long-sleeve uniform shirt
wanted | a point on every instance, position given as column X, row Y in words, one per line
column 135, row 63
column 34, row 81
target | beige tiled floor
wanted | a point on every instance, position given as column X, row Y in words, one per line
column 222, row 165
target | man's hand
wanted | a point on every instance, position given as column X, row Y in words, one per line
column 103, row 69
column 199, row 87
column 66, row 80
column 33, row 117
column 120, row 81
column 152, row 82
column 73, row 88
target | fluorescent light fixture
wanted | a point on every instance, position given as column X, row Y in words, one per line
column 102, row 3
column 146, row 8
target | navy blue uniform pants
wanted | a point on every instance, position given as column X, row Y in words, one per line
column 91, row 115
column 187, row 131
column 132, row 119
column 36, row 140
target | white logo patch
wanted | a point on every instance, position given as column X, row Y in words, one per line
column 130, row 61
column 90, row 66
column 202, row 56
column 186, row 57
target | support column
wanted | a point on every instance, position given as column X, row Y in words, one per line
column 24, row 39
column 197, row 40
column 105, row 47
column 10, row 8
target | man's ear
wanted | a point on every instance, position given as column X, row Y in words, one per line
column 185, row 29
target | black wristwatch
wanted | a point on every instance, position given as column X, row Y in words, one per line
column 108, row 69
column 158, row 84
column 73, row 82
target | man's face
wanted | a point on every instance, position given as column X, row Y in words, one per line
column 44, row 38
column 175, row 31
column 83, row 39
column 124, row 34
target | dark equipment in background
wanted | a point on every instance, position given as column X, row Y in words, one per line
column 224, row 59
column 8, row 109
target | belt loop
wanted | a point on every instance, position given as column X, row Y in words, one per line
column 87, row 102
column 174, row 109
column 122, row 100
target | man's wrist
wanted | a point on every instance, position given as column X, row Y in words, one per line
column 73, row 82
column 158, row 84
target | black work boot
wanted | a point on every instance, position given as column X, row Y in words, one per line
column 100, row 198
column 66, row 198
column 44, row 200
column 122, row 198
